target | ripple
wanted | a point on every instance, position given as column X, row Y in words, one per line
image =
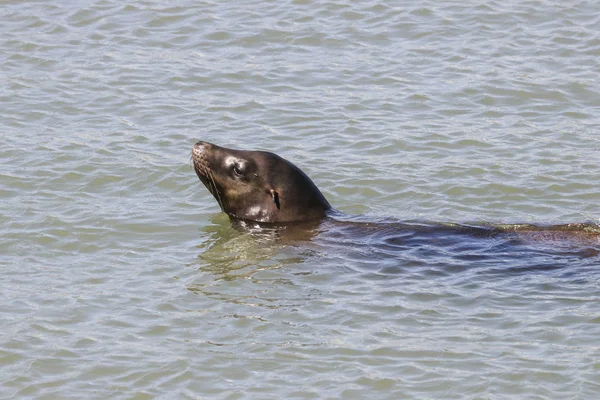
column 122, row 279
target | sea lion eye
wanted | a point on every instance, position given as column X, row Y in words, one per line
column 237, row 170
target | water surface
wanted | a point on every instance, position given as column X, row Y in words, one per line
column 121, row 279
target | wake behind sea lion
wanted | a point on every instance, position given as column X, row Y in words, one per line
column 263, row 187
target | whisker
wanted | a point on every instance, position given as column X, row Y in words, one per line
column 216, row 190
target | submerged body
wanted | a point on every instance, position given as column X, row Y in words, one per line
column 262, row 187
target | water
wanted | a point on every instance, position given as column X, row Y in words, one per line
column 121, row 279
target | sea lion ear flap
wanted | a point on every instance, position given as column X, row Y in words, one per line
column 275, row 198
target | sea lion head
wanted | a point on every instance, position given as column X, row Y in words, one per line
column 257, row 185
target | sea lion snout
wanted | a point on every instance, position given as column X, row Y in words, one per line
column 200, row 149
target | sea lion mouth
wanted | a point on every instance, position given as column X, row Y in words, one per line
column 204, row 172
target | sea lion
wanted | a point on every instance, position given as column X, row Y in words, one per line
column 258, row 185
column 261, row 186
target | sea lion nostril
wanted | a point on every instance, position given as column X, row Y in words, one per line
column 199, row 151
column 200, row 147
